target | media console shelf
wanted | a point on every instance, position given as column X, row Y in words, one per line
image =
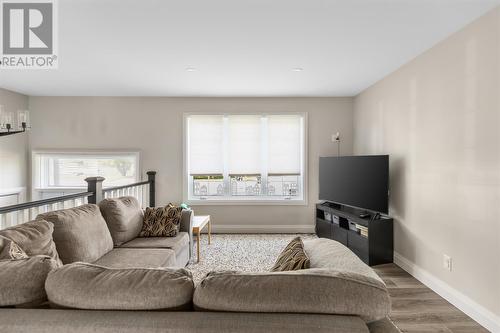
column 370, row 239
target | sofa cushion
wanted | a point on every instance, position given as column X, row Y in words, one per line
column 161, row 221
column 80, row 233
column 23, row 280
column 130, row 258
column 293, row 257
column 93, row 287
column 175, row 243
column 34, row 238
column 109, row 321
column 350, row 290
column 325, row 253
column 124, row 218
column 10, row 250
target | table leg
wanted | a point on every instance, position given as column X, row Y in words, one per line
column 209, row 231
column 198, row 245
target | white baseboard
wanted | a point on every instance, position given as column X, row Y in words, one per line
column 264, row 229
column 479, row 313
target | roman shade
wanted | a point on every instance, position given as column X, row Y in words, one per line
column 284, row 144
column 244, row 144
column 205, row 144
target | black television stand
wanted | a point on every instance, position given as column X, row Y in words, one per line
column 370, row 237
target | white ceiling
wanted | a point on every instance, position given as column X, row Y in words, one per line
column 239, row 48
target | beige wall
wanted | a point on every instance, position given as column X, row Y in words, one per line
column 438, row 117
column 13, row 148
column 154, row 126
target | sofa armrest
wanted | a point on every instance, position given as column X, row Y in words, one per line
column 186, row 221
column 187, row 226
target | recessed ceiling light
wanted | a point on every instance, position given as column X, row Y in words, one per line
column 190, row 69
column 297, row 69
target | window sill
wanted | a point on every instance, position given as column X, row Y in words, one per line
column 12, row 191
column 247, row 202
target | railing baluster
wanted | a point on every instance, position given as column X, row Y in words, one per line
column 3, row 221
column 10, row 219
column 141, row 195
column 134, row 192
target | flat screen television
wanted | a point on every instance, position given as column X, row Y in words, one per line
column 356, row 181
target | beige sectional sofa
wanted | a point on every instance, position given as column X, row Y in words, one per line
column 140, row 285
column 84, row 234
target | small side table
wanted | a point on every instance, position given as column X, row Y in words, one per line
column 199, row 222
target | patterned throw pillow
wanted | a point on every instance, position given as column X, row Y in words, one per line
column 161, row 221
column 292, row 258
column 10, row 250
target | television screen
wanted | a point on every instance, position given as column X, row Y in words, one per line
column 357, row 181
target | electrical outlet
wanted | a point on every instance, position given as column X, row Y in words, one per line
column 447, row 262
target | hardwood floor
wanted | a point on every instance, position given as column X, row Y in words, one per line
column 416, row 308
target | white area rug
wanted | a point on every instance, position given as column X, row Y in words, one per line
column 247, row 253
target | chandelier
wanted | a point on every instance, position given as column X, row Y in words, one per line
column 9, row 125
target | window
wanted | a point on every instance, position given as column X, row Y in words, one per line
column 66, row 170
column 245, row 157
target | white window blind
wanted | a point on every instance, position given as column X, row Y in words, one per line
column 69, row 169
column 245, row 157
column 244, row 145
column 206, row 134
column 284, row 142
